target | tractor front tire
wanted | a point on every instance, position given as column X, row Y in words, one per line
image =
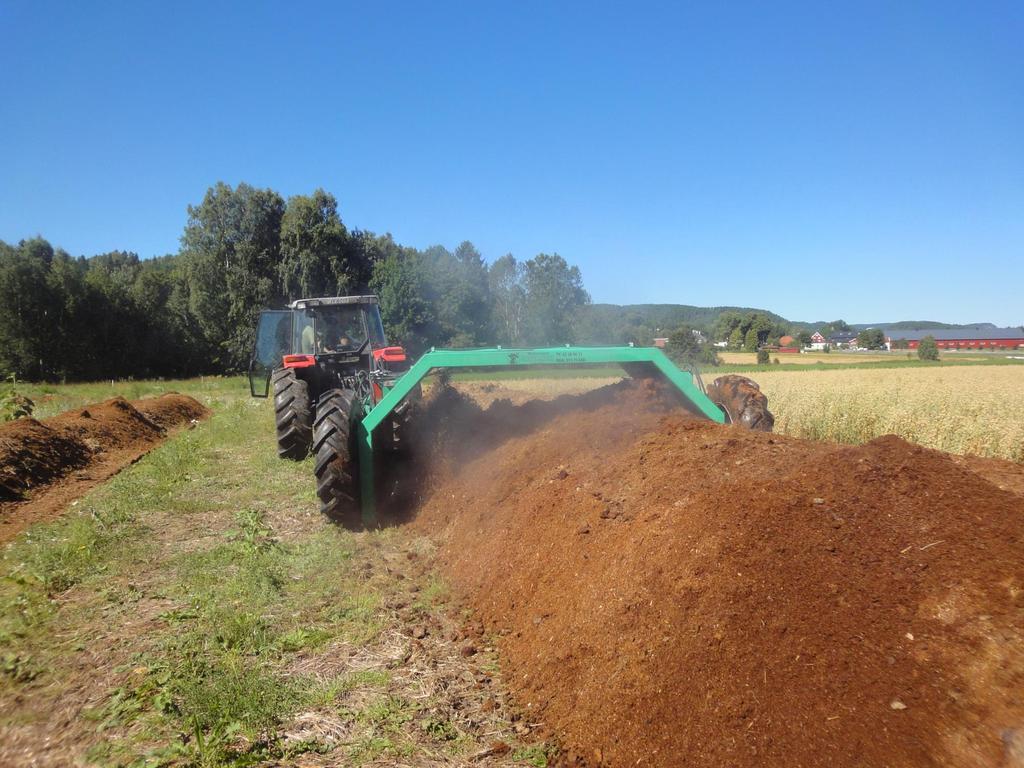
column 293, row 415
column 334, row 445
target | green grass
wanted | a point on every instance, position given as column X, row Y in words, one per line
column 211, row 670
column 536, row 755
column 51, row 399
column 215, row 598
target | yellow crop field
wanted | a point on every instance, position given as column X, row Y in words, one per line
column 969, row 410
column 810, row 358
column 842, row 357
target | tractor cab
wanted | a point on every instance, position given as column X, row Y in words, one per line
column 325, row 338
column 336, row 326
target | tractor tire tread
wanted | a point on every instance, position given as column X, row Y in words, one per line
column 334, row 463
column 742, row 401
column 293, row 415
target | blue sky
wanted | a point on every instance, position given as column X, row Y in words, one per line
column 860, row 160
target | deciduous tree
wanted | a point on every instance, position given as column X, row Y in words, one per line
column 927, row 349
column 554, row 292
column 871, row 338
column 683, row 345
column 505, row 280
column 400, row 282
column 26, row 309
column 313, row 254
column 231, row 248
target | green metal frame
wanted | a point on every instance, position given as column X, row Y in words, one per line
column 693, row 396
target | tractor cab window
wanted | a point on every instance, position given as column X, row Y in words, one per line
column 273, row 336
column 341, row 328
column 375, row 327
column 304, row 340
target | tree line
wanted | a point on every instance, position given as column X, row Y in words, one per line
column 244, row 249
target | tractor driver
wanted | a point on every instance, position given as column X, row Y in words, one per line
column 351, row 332
column 349, row 339
column 330, row 334
column 334, row 337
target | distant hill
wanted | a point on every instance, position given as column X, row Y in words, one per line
column 599, row 322
column 664, row 316
column 924, row 325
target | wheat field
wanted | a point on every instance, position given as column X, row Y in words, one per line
column 812, row 358
column 968, row 410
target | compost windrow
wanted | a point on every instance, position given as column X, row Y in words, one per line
column 669, row 592
column 45, row 465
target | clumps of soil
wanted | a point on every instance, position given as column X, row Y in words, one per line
column 670, row 592
column 449, row 429
column 31, row 453
column 171, row 409
column 44, row 464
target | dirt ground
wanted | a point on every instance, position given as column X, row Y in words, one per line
column 522, row 391
column 670, row 592
column 45, row 465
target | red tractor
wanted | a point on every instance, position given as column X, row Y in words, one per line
column 329, row 363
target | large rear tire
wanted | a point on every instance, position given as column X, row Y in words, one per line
column 336, row 451
column 293, row 415
column 743, row 402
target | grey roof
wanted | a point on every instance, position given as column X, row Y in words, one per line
column 957, row 334
column 330, row 301
column 842, row 337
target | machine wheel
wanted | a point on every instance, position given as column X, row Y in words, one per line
column 336, row 466
column 293, row 415
column 742, row 401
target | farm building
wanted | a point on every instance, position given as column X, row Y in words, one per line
column 818, row 341
column 843, row 338
column 961, row 338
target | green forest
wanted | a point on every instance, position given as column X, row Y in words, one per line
column 243, row 249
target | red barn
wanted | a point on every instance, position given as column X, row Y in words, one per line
column 961, row 338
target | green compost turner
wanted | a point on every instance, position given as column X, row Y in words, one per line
column 638, row 361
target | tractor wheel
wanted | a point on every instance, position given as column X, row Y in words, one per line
column 336, row 467
column 742, row 401
column 293, row 415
